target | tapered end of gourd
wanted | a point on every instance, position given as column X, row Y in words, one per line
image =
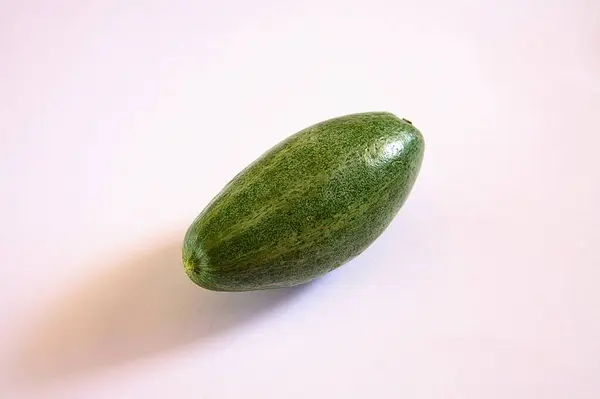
column 197, row 267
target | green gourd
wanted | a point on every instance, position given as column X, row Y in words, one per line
column 307, row 206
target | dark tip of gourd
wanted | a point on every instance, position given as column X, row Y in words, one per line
column 407, row 121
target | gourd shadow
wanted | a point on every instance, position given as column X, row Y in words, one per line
column 137, row 308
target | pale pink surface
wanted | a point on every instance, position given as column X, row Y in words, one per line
column 120, row 120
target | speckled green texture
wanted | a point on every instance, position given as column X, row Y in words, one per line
column 306, row 206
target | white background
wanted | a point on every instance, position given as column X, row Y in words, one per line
column 120, row 120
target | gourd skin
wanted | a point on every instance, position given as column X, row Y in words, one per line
column 307, row 206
